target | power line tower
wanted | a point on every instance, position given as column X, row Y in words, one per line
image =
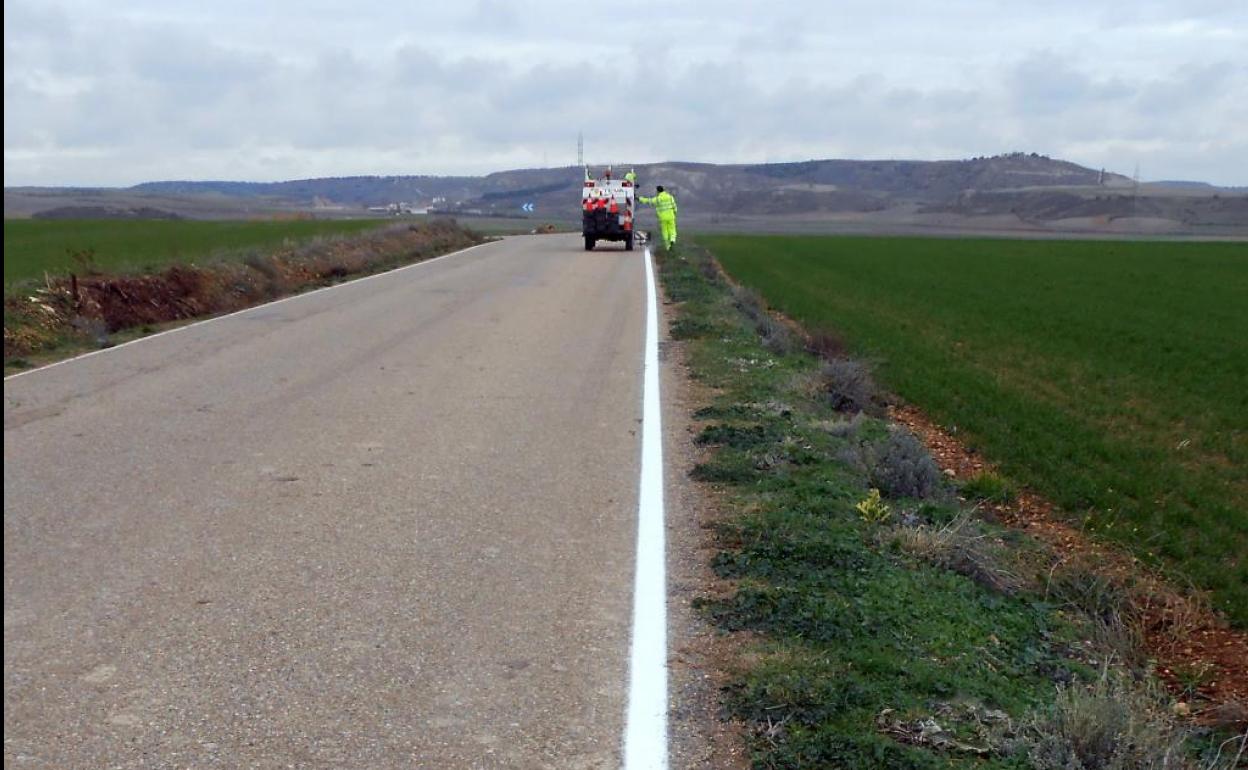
column 1135, row 191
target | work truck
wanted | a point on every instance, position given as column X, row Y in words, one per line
column 607, row 207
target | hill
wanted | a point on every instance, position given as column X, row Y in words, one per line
column 809, row 185
column 1005, row 192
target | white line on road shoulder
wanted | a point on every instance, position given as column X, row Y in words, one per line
column 645, row 733
column 244, row 310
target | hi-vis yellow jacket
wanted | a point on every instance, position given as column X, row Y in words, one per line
column 664, row 204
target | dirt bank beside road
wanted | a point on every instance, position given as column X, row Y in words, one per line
column 70, row 313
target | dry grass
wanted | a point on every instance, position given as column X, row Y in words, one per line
column 963, row 547
column 1109, row 604
column 1114, row 723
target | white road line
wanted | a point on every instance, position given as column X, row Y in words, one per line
column 244, row 310
column 645, row 733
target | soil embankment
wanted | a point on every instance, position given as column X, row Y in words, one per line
column 73, row 311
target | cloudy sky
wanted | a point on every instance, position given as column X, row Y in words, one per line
column 114, row 92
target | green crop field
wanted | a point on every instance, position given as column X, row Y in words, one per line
column 32, row 246
column 1110, row 376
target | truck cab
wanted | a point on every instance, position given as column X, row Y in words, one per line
column 607, row 209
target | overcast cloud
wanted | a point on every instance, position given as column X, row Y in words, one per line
column 114, row 93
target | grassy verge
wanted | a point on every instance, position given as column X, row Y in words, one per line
column 34, row 246
column 1108, row 376
column 889, row 628
column 67, row 315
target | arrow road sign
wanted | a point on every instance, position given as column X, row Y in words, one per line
column 527, row 207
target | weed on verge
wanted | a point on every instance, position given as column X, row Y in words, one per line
column 989, row 486
column 862, row 626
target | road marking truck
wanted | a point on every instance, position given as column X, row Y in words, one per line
column 607, row 207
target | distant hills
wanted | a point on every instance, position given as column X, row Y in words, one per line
column 1197, row 186
column 1017, row 190
column 804, row 186
column 359, row 191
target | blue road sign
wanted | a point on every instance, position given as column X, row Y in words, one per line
column 527, row 207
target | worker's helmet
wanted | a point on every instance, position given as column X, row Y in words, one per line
column 659, row 187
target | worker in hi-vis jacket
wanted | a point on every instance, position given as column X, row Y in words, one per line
column 665, row 208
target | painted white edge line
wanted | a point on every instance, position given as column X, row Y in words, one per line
column 241, row 312
column 645, row 732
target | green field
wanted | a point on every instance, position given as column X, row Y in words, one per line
column 1110, row 376
column 32, row 246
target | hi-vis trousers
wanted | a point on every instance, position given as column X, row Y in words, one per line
column 667, row 226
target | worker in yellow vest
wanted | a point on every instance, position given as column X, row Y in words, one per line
column 665, row 208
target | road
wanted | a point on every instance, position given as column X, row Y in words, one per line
column 390, row 524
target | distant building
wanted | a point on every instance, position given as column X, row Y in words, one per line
column 399, row 208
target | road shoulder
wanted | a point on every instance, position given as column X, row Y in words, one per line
column 698, row 653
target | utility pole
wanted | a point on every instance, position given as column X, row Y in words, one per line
column 580, row 149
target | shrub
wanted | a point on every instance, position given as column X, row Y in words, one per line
column 850, row 386
column 847, row 429
column 1108, row 725
column 899, row 466
column 710, row 270
column 904, row 468
column 748, row 301
column 777, row 337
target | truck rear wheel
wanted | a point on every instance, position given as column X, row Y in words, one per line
column 628, row 242
column 589, row 242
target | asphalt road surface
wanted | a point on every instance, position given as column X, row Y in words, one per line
column 390, row 524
